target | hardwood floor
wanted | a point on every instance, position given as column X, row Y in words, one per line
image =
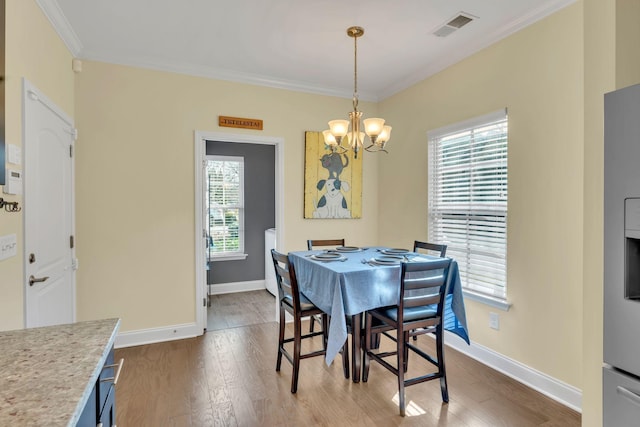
column 240, row 309
column 227, row 377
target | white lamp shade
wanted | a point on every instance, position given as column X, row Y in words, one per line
column 384, row 135
column 339, row 128
column 329, row 139
column 373, row 126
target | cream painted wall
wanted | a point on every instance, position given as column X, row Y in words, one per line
column 538, row 75
column 135, row 183
column 33, row 51
column 627, row 36
column 600, row 70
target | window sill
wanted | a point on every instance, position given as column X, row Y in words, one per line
column 229, row 257
column 485, row 299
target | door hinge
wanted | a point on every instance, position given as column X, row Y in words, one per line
column 204, row 302
column 71, row 151
column 71, row 242
column 73, row 132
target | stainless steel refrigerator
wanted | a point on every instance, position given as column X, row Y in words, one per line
column 621, row 370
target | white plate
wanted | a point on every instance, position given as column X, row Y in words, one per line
column 394, row 251
column 387, row 260
column 327, row 256
column 348, row 249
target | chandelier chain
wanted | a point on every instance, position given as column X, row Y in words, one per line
column 355, row 73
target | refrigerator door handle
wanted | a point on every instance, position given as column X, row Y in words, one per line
column 634, row 397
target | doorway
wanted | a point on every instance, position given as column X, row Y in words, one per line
column 201, row 232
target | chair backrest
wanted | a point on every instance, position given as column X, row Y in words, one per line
column 434, row 248
column 286, row 278
column 424, row 283
column 328, row 242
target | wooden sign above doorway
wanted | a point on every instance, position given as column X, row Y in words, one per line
column 239, row 122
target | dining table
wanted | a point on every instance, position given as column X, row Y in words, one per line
column 347, row 281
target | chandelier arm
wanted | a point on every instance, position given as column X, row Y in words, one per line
column 339, row 148
column 372, row 149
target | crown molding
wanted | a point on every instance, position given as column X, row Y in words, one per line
column 53, row 12
column 228, row 75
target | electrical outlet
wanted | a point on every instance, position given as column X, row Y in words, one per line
column 494, row 321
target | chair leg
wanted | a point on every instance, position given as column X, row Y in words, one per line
column 356, row 347
column 405, row 365
column 367, row 347
column 375, row 341
column 297, row 341
column 325, row 331
column 345, row 359
column 444, row 390
column 400, row 341
column 312, row 320
column 441, row 368
column 280, row 339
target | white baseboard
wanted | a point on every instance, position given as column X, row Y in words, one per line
column 557, row 390
column 228, row 288
column 186, row 330
column 155, row 335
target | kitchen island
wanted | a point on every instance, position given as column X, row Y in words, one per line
column 48, row 375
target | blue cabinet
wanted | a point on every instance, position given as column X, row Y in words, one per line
column 100, row 409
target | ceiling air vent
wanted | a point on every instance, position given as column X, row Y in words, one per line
column 459, row 21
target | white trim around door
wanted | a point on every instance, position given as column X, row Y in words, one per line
column 199, row 157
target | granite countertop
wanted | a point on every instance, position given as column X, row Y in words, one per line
column 48, row 373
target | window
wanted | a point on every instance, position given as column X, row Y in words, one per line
column 225, row 206
column 468, row 201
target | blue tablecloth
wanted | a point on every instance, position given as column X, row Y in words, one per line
column 351, row 287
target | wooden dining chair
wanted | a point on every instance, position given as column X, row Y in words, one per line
column 311, row 244
column 434, row 249
column 292, row 301
column 430, row 248
column 423, row 288
column 324, row 243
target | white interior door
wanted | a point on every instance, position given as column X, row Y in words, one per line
column 201, row 231
column 205, row 239
column 48, row 212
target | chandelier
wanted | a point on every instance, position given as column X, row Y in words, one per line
column 343, row 135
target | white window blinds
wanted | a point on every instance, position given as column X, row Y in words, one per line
column 225, row 204
column 468, row 200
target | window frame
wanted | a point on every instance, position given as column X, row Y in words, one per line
column 473, row 208
column 239, row 254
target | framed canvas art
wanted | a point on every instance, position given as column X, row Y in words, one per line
column 332, row 180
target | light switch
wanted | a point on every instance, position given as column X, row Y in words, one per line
column 14, row 154
column 8, row 246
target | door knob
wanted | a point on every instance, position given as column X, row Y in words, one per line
column 33, row 280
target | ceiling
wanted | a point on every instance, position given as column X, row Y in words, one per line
column 300, row 45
